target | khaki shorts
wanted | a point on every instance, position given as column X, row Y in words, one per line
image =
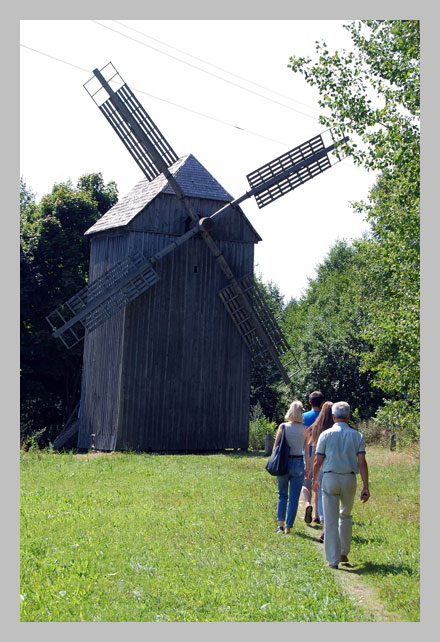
column 308, row 483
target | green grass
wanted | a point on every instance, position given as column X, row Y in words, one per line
column 137, row 537
column 386, row 538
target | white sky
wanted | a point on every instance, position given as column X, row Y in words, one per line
column 63, row 134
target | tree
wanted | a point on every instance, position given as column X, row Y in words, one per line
column 54, row 256
column 324, row 331
column 264, row 375
column 373, row 94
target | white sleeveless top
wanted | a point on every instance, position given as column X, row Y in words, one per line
column 294, row 437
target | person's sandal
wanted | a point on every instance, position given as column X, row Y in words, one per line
column 316, row 520
column 308, row 514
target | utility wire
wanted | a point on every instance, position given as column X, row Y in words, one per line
column 184, row 62
column 231, row 73
column 140, row 91
column 42, row 53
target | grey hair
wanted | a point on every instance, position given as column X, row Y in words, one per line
column 341, row 410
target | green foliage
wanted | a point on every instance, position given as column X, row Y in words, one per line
column 54, row 257
column 259, row 427
column 324, row 329
column 373, row 94
column 27, row 198
column 373, row 433
column 389, row 288
column 264, row 376
column 399, row 417
column 104, row 196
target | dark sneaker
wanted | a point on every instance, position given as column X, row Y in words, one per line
column 280, row 529
column 321, row 539
column 308, row 515
column 316, row 520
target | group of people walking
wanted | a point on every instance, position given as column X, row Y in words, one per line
column 325, row 456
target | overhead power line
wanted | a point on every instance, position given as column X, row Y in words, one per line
column 64, row 62
column 184, row 62
column 140, row 91
column 231, row 73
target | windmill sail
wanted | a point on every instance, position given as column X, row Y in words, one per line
column 245, row 324
column 97, row 302
column 290, row 170
column 127, row 136
column 133, row 125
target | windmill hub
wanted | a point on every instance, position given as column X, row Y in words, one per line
column 206, row 224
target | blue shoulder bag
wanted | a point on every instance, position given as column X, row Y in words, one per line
column 278, row 463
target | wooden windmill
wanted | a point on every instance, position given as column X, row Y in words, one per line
column 172, row 316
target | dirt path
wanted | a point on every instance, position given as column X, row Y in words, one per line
column 365, row 596
column 352, row 583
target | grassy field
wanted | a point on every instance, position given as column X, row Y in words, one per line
column 137, row 537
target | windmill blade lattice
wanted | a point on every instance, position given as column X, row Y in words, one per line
column 245, row 323
column 97, row 302
column 290, row 170
column 130, row 141
column 130, row 121
column 112, row 291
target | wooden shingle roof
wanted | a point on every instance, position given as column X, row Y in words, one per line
column 192, row 177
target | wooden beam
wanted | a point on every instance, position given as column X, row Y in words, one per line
column 65, row 434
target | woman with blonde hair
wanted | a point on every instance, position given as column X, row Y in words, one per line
column 322, row 422
column 290, row 484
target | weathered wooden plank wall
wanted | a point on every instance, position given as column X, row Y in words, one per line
column 185, row 381
column 169, row 372
column 103, row 350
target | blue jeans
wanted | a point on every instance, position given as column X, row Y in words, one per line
column 293, row 478
column 320, row 504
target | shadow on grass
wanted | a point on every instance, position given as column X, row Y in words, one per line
column 236, row 454
column 371, row 568
column 312, row 536
column 365, row 568
column 201, row 453
column 241, row 453
column 358, row 539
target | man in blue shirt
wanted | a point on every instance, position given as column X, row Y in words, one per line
column 316, row 399
column 340, row 452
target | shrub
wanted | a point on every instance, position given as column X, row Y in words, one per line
column 259, row 427
column 396, row 418
column 401, row 418
column 373, row 433
column 31, row 440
